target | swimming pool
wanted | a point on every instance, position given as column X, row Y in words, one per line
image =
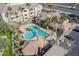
column 38, row 31
column 29, row 35
column 34, row 31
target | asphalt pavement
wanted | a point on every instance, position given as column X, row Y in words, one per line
column 61, row 8
column 64, row 9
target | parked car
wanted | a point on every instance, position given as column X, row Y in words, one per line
column 77, row 30
column 68, row 37
column 42, row 51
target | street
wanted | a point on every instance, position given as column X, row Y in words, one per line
column 75, row 11
column 64, row 9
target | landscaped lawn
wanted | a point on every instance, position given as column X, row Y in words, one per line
column 8, row 50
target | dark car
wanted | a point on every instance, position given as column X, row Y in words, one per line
column 68, row 37
column 44, row 50
column 72, row 15
column 77, row 30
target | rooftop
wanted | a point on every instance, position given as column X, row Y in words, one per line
column 75, row 48
column 3, row 7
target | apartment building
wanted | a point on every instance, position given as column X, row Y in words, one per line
column 32, row 11
column 26, row 14
column 29, row 11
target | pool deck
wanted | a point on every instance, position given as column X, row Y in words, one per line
column 35, row 42
column 31, row 48
column 25, row 26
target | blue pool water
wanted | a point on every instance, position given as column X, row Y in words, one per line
column 29, row 35
column 34, row 31
column 38, row 31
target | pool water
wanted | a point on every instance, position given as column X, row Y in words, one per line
column 35, row 31
column 29, row 35
column 38, row 31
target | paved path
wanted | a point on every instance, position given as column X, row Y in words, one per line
column 56, row 51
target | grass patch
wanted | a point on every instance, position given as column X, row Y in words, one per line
column 8, row 49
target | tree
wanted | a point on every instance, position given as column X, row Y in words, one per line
column 9, row 8
column 47, row 22
column 54, row 20
column 21, row 10
column 77, row 19
column 72, row 5
column 52, row 6
column 63, row 17
column 59, row 32
column 28, row 4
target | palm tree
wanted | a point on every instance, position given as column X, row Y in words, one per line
column 50, row 21
column 9, row 9
column 21, row 10
column 54, row 19
column 47, row 22
column 54, row 22
column 72, row 5
column 77, row 19
column 52, row 6
column 63, row 17
column 28, row 4
column 60, row 22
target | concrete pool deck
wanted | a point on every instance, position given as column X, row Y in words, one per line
column 36, row 42
column 31, row 48
column 33, row 45
column 25, row 26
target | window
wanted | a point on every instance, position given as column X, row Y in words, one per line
column 16, row 13
column 22, row 8
column 25, row 10
column 17, row 16
column 6, row 14
column 25, row 17
column 31, row 9
column 31, row 13
column 12, row 18
column 25, row 14
column 39, row 11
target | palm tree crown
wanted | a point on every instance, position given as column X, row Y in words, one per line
column 9, row 8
